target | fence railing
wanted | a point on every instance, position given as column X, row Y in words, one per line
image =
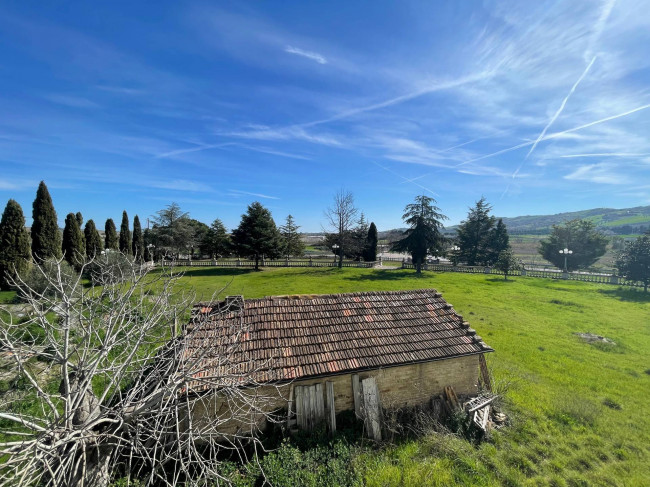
column 247, row 263
column 548, row 273
column 599, row 277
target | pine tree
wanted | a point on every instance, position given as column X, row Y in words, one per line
column 46, row 238
column 424, row 235
column 257, row 234
column 137, row 245
column 15, row 254
column 580, row 237
column 498, row 241
column 370, row 250
column 80, row 218
column 217, row 242
column 291, row 241
column 93, row 240
column 473, row 234
column 73, row 245
column 125, row 235
column 110, row 235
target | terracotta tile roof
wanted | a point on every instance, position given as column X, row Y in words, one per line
column 290, row 337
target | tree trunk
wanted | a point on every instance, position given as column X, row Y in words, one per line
column 96, row 472
column 418, row 267
column 341, row 257
column 257, row 262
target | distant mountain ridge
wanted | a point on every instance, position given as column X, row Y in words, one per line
column 608, row 220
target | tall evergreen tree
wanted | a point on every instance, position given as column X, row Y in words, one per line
column 291, row 241
column 424, row 235
column 137, row 245
column 370, row 250
column 257, row 234
column 217, row 242
column 15, row 254
column 581, row 238
column 46, row 238
column 94, row 244
column 498, row 241
column 80, row 221
column 474, row 235
column 73, row 245
column 110, row 235
column 125, row 235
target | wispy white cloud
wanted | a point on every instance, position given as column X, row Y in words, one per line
column 177, row 185
column 597, row 31
column 601, row 173
column 314, row 56
column 199, row 148
column 605, row 154
column 72, row 101
column 236, row 192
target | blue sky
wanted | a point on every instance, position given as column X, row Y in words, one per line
column 541, row 107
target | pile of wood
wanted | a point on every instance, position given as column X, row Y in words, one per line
column 479, row 409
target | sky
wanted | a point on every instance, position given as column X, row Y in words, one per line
column 541, row 107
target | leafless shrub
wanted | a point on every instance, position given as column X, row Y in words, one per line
column 128, row 395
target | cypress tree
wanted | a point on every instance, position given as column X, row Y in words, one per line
column 110, row 235
column 370, row 250
column 15, row 254
column 125, row 235
column 46, row 238
column 137, row 245
column 80, row 222
column 73, row 245
column 93, row 240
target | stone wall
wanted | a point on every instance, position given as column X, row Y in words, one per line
column 406, row 385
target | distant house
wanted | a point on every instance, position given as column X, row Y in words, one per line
column 318, row 355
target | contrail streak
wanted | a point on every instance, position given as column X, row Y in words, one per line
column 557, row 134
column 406, row 179
column 561, row 109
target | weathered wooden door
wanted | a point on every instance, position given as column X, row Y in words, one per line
column 310, row 407
column 371, row 407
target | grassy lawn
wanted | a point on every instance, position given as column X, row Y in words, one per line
column 580, row 413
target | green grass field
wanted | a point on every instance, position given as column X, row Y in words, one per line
column 580, row 413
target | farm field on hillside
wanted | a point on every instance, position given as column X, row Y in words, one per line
column 579, row 411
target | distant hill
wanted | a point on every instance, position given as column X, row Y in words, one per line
column 608, row 220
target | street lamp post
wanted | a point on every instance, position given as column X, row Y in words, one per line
column 335, row 247
column 455, row 249
column 566, row 253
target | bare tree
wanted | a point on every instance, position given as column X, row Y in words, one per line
column 122, row 391
column 341, row 217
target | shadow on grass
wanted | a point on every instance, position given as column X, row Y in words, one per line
column 388, row 275
column 627, row 294
column 500, row 279
column 218, row 271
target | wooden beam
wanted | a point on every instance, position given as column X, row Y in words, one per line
column 356, row 394
column 330, row 414
column 371, row 407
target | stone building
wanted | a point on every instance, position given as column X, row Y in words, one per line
column 314, row 356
